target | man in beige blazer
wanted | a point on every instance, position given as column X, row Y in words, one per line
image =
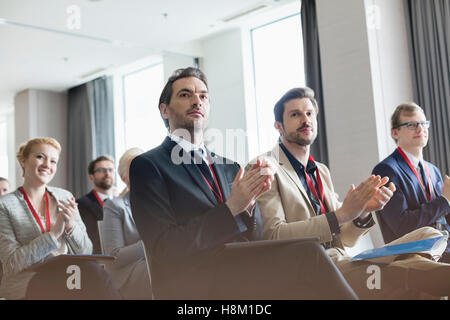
column 302, row 203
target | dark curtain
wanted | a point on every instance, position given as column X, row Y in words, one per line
column 101, row 94
column 428, row 27
column 80, row 139
column 313, row 75
column 90, row 130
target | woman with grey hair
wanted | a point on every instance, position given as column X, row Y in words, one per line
column 4, row 186
column 121, row 239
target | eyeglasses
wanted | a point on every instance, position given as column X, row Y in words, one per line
column 104, row 170
column 413, row 125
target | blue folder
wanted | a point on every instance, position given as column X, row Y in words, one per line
column 425, row 246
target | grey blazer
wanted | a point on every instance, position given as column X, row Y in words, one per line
column 121, row 239
column 22, row 244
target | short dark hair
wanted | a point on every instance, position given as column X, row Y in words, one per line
column 166, row 93
column 91, row 166
column 3, row 179
column 295, row 93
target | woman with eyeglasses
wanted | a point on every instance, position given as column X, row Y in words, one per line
column 121, row 239
column 39, row 222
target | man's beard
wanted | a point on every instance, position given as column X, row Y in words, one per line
column 192, row 125
column 294, row 137
column 104, row 185
column 195, row 127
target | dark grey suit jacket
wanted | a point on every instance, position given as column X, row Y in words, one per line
column 180, row 221
column 91, row 212
column 121, row 239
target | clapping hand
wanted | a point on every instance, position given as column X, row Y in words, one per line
column 68, row 210
column 446, row 188
column 381, row 197
column 357, row 199
column 248, row 186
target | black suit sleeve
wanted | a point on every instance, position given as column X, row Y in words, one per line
column 90, row 221
column 167, row 239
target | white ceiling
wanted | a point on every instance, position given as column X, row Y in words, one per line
column 38, row 50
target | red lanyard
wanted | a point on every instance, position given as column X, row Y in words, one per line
column 35, row 215
column 319, row 185
column 428, row 193
column 218, row 196
column 98, row 198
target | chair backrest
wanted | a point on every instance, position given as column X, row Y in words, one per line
column 375, row 232
column 147, row 263
column 100, row 235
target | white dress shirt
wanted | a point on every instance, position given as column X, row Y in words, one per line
column 188, row 147
column 104, row 196
column 415, row 163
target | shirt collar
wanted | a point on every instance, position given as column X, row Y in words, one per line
column 103, row 196
column 310, row 166
column 187, row 146
column 414, row 160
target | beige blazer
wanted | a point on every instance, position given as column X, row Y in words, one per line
column 288, row 213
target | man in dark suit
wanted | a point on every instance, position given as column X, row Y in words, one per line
column 422, row 197
column 101, row 174
column 188, row 203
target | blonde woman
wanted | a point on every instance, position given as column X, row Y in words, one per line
column 38, row 222
column 121, row 239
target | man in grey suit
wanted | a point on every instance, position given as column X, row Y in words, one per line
column 121, row 239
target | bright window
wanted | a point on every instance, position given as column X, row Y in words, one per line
column 137, row 119
column 278, row 67
column 144, row 127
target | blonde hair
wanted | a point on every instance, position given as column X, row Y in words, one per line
column 125, row 160
column 408, row 108
column 25, row 148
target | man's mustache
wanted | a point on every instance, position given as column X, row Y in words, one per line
column 304, row 126
column 195, row 109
